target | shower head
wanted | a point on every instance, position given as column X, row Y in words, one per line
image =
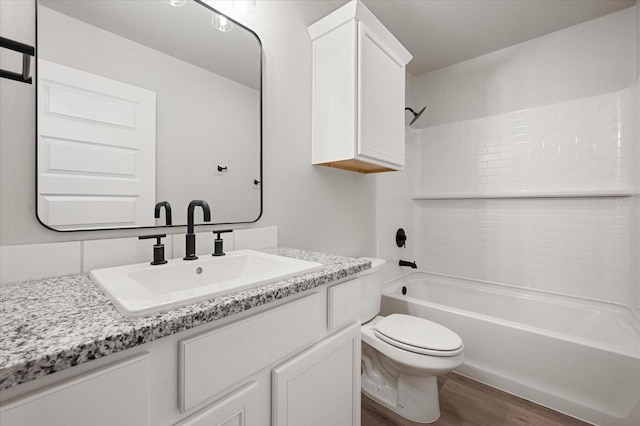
column 416, row 115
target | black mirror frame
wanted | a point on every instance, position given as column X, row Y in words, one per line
column 257, row 182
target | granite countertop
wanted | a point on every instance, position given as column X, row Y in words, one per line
column 52, row 324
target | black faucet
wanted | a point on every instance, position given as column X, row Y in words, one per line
column 190, row 250
column 410, row 264
column 167, row 211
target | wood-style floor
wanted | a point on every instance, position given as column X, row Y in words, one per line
column 465, row 402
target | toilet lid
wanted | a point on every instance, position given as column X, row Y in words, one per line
column 418, row 335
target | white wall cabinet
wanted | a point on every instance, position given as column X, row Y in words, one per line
column 358, row 92
column 219, row 374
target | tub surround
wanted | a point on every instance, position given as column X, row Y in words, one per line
column 52, row 324
column 547, row 161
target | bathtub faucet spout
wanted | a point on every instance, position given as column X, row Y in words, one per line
column 410, row 264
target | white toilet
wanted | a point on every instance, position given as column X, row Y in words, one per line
column 402, row 355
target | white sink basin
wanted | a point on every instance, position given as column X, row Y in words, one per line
column 144, row 289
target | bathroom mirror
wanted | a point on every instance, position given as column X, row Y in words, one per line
column 140, row 102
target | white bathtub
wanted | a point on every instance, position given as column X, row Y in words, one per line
column 577, row 356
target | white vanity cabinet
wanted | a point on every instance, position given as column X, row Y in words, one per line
column 115, row 394
column 296, row 359
column 358, row 92
column 215, row 361
column 240, row 408
column 322, row 385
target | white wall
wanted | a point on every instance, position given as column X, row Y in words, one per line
column 587, row 59
column 637, row 7
column 552, row 114
column 17, row 134
column 636, row 182
column 314, row 207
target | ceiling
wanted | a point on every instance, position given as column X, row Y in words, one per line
column 440, row 33
column 184, row 32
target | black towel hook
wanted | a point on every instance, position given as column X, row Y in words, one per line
column 27, row 52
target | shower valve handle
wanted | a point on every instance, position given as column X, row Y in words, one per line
column 401, row 238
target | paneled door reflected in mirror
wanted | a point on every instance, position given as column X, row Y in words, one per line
column 141, row 102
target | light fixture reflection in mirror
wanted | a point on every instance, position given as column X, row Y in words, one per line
column 245, row 6
column 177, row 3
column 221, row 23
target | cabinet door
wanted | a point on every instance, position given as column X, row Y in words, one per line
column 234, row 410
column 322, row 385
column 114, row 395
column 380, row 100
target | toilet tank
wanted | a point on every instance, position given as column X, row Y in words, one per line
column 371, row 289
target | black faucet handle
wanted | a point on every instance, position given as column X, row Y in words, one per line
column 158, row 237
column 218, row 242
column 223, row 231
column 158, row 248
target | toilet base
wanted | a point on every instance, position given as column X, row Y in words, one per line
column 416, row 398
column 412, row 397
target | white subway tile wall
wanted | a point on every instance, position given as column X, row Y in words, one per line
column 120, row 251
column 579, row 144
column 585, row 247
column 35, row 261
column 204, row 244
column 256, row 238
column 395, row 209
column 580, row 247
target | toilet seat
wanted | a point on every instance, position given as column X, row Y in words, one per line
column 418, row 335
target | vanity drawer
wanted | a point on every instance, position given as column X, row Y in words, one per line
column 213, row 361
column 344, row 303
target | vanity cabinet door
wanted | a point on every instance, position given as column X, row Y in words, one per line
column 322, row 385
column 114, row 395
column 237, row 409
